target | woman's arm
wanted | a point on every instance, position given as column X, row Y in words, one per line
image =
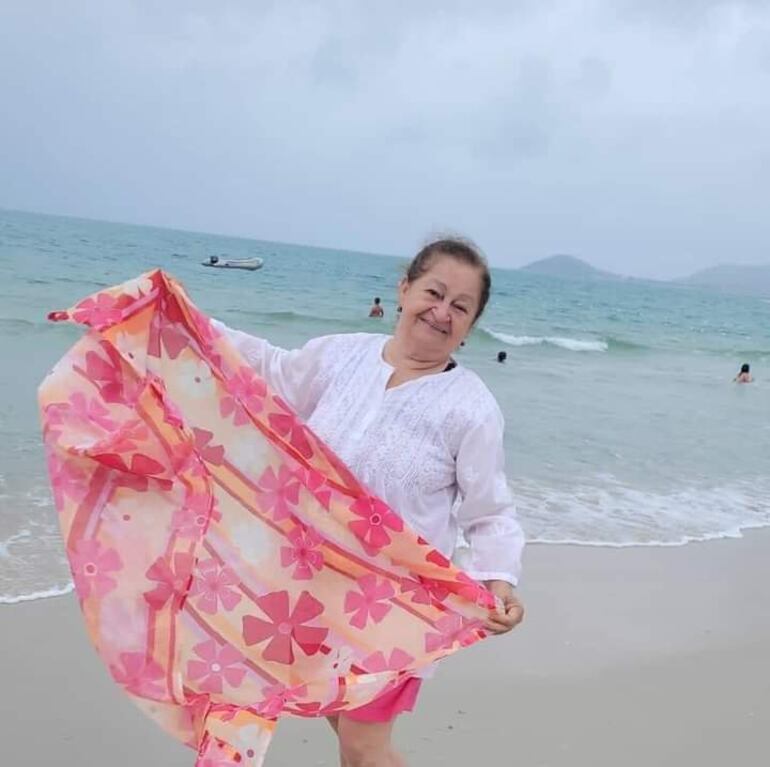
column 487, row 513
column 487, row 519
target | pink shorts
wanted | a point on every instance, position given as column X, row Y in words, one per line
column 388, row 706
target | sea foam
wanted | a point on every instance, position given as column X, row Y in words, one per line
column 570, row 344
column 54, row 591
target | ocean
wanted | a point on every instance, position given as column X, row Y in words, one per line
column 623, row 425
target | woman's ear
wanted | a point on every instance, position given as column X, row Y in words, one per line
column 403, row 287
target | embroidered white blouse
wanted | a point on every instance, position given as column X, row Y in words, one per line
column 431, row 448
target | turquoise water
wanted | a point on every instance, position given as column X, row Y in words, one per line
column 623, row 425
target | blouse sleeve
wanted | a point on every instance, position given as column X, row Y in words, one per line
column 295, row 374
column 487, row 515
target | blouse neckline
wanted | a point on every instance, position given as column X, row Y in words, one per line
column 449, row 370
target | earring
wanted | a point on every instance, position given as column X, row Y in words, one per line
column 462, row 343
column 399, row 309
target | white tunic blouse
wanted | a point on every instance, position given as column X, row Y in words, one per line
column 431, row 448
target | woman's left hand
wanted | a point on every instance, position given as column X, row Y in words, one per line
column 500, row 622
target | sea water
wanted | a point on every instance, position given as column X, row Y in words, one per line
column 623, row 424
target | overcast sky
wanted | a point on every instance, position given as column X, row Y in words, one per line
column 632, row 133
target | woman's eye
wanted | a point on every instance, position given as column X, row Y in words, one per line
column 461, row 308
column 434, row 293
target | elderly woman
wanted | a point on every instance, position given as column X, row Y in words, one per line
column 423, row 432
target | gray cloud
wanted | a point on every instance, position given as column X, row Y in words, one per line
column 621, row 132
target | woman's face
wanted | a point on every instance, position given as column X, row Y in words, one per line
column 438, row 308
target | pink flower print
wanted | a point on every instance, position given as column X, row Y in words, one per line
column 92, row 565
column 424, row 590
column 276, row 698
column 140, row 464
column 171, row 308
column 285, row 626
column 315, row 482
column 172, row 415
column 427, row 590
column 245, row 388
column 182, row 458
column 215, row 667
column 474, row 592
column 213, row 454
column 372, row 528
column 171, row 582
column 205, row 327
column 451, row 629
column 140, row 675
column 303, row 552
column 419, row 591
column 99, row 311
column 287, row 424
column 89, row 411
column 174, row 341
column 398, row 661
column 437, row 558
column 213, row 585
column 192, row 519
column 135, row 482
column 370, row 602
column 194, row 466
column 52, row 418
column 66, row 481
column 278, row 492
column 108, row 376
column 130, row 436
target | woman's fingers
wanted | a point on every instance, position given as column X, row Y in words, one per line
column 515, row 612
column 512, row 612
column 499, row 622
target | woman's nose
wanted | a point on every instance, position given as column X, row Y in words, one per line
column 441, row 312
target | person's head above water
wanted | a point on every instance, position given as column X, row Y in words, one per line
column 444, row 292
column 745, row 368
column 376, row 300
column 502, row 356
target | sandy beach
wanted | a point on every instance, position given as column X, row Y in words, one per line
column 639, row 656
column 558, row 209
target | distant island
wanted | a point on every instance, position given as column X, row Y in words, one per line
column 733, row 278
column 729, row 278
column 569, row 267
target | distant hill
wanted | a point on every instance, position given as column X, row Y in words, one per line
column 568, row 267
column 733, row 278
column 728, row 278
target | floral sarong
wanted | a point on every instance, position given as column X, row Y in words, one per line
column 229, row 567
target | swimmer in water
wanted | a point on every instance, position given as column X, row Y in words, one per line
column 745, row 374
column 376, row 310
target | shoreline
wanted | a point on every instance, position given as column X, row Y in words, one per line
column 57, row 590
column 640, row 656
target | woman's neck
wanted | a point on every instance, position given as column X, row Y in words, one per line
column 411, row 362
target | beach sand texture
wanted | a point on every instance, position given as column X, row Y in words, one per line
column 643, row 657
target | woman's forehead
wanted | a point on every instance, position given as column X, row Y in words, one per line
column 454, row 275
